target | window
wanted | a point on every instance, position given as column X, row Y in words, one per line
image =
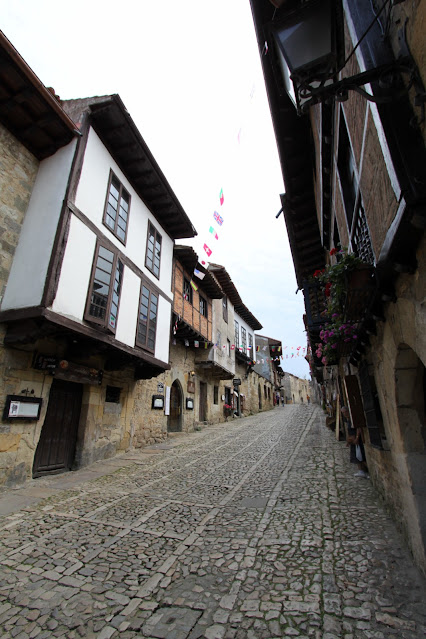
column 105, row 288
column 215, row 394
column 228, row 347
column 203, row 306
column 225, row 308
column 219, row 340
column 117, row 206
column 187, row 291
column 250, row 345
column 147, row 319
column 112, row 394
column 237, row 334
column 153, row 251
column 347, row 171
column 244, row 339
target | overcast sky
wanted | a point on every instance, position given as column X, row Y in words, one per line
column 189, row 73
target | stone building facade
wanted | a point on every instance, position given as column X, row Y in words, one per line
column 296, row 390
column 366, row 194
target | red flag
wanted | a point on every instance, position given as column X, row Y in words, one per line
column 222, row 199
column 207, row 250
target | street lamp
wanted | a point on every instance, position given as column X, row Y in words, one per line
column 309, row 44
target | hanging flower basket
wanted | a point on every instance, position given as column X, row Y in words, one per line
column 349, row 287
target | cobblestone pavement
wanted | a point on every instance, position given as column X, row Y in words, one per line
column 253, row 529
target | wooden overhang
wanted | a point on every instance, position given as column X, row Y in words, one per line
column 27, row 326
column 29, row 110
column 214, row 369
column 231, row 292
column 296, row 152
column 114, row 125
column 189, row 260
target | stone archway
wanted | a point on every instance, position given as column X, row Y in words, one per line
column 410, row 381
column 174, row 421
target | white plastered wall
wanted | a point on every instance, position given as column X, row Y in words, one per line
column 29, row 268
column 76, row 269
column 162, row 341
column 90, row 199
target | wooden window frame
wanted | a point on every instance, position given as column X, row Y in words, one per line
column 187, row 291
column 121, row 191
column 104, row 322
column 203, row 307
column 215, row 394
column 225, row 308
column 138, row 341
column 237, row 333
column 150, row 265
column 244, row 339
column 250, row 344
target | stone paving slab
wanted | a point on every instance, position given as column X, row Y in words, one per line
column 254, row 529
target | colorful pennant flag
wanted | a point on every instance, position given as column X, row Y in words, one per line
column 196, row 344
column 199, row 274
column 222, row 199
column 194, row 286
column 211, row 230
column 218, row 218
column 186, row 342
column 207, row 250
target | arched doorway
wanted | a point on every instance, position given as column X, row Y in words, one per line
column 174, row 422
column 410, row 381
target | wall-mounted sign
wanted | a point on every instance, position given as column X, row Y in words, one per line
column 158, row 402
column 68, row 371
column 20, row 407
column 191, row 386
column 167, row 407
column 189, row 403
column 237, row 381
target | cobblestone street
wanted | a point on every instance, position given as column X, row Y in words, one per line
column 256, row 528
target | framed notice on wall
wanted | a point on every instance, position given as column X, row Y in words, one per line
column 21, row 407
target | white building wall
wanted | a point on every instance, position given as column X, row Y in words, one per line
column 162, row 342
column 90, row 199
column 29, row 268
column 128, row 310
column 227, row 331
column 76, row 269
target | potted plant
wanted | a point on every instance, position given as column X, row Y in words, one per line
column 336, row 336
column 348, row 273
column 227, row 410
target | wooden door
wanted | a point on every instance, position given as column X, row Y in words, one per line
column 203, row 402
column 56, row 448
column 175, row 417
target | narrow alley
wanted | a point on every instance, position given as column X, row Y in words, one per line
column 256, row 528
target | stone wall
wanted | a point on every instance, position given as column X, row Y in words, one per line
column 18, row 170
column 399, row 354
column 296, row 390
